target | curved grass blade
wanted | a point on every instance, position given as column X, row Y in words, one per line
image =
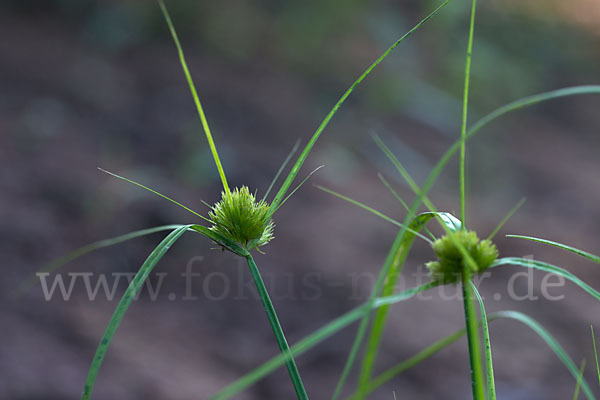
column 134, row 287
column 194, row 93
column 523, row 262
column 313, row 339
column 156, row 193
column 448, row 340
column 551, row 342
column 52, row 266
column 296, row 168
column 581, row 253
column 284, row 348
column 491, row 385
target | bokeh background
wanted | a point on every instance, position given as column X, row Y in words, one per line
column 97, row 83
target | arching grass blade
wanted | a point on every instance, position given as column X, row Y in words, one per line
column 581, row 253
column 132, row 290
column 524, row 262
column 52, row 266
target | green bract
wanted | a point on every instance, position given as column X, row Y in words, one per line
column 239, row 217
column 450, row 263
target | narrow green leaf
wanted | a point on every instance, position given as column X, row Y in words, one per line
column 277, row 330
column 524, row 262
column 296, row 168
column 156, row 193
column 488, row 346
column 506, row 218
column 579, row 378
column 595, row 355
column 52, row 266
column 581, row 253
column 312, row 340
column 132, row 290
column 194, row 93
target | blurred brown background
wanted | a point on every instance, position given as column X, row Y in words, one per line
column 89, row 83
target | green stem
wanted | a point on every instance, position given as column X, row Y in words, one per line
column 463, row 128
column 277, row 330
column 472, row 326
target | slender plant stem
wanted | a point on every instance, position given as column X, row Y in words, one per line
column 463, row 128
column 472, row 326
column 194, row 93
column 277, row 330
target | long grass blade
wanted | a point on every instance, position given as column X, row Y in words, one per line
column 155, row 192
column 524, row 262
column 491, row 385
column 194, row 93
column 132, row 290
column 52, row 266
column 463, row 126
column 581, row 253
column 296, row 168
column 314, row 339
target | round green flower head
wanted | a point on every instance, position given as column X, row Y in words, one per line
column 448, row 267
column 242, row 219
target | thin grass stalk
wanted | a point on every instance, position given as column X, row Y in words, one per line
column 463, row 128
column 277, row 330
column 472, row 326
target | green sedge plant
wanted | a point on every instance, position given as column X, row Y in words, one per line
column 460, row 254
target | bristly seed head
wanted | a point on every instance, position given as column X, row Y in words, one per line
column 448, row 267
column 239, row 217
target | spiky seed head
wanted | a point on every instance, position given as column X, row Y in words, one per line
column 239, row 217
column 449, row 266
